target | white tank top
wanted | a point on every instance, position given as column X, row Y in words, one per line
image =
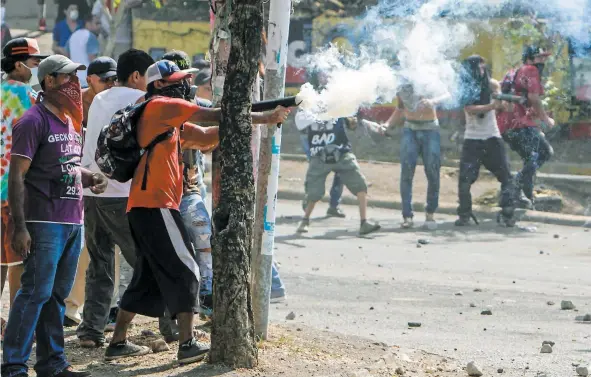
column 481, row 128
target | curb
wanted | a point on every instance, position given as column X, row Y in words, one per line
column 584, row 175
column 450, row 209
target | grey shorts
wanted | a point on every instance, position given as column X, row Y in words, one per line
column 348, row 170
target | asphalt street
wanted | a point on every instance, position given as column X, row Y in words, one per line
column 372, row 287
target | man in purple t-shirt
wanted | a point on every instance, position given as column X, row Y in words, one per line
column 45, row 198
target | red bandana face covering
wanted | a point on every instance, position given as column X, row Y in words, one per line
column 68, row 98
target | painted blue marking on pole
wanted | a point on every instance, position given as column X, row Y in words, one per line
column 275, row 148
column 268, row 225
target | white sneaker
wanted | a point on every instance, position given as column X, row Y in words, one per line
column 430, row 223
column 407, row 223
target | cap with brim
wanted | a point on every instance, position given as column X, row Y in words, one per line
column 57, row 64
column 23, row 47
column 168, row 71
column 202, row 77
column 183, row 74
column 103, row 66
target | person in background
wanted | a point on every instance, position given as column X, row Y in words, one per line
column 482, row 141
column 83, row 45
column 20, row 62
column 45, row 196
column 106, row 222
column 330, row 151
column 5, row 30
column 101, row 75
column 521, row 130
column 420, row 137
column 123, row 34
column 64, row 29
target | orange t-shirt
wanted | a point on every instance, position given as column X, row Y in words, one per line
column 164, row 187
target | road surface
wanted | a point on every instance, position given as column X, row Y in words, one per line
column 374, row 286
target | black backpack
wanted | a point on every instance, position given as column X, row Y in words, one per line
column 118, row 153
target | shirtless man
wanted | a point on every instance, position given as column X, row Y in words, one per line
column 420, row 137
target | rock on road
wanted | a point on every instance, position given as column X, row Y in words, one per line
column 374, row 286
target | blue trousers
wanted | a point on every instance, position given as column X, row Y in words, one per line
column 38, row 307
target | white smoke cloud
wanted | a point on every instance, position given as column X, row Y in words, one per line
column 426, row 46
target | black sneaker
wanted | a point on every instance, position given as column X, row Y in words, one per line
column 68, row 322
column 335, row 212
column 124, row 349
column 69, row 372
column 192, row 351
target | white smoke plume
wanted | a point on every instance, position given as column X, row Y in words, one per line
column 405, row 42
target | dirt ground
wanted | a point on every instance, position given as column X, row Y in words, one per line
column 384, row 182
column 290, row 351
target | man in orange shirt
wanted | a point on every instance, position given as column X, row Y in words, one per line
column 166, row 274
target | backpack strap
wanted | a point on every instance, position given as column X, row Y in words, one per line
column 158, row 139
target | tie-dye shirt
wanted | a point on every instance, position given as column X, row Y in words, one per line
column 17, row 97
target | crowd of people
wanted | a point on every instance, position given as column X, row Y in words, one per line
column 489, row 121
column 64, row 222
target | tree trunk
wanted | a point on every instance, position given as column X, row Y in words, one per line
column 232, row 337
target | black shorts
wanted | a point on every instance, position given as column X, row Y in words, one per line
column 166, row 274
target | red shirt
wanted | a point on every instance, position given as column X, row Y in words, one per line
column 164, row 187
column 527, row 81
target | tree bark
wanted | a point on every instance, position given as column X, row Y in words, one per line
column 232, row 337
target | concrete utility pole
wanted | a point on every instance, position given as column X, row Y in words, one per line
column 268, row 174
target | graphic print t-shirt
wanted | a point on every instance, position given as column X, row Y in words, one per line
column 17, row 98
column 53, row 184
column 327, row 136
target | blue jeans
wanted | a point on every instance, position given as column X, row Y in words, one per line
column 39, row 305
column 196, row 220
column 336, row 191
column 276, row 283
column 427, row 145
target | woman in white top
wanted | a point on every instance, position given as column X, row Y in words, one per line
column 483, row 144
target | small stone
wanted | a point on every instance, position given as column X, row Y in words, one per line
column 541, row 251
column 400, row 371
column 513, row 281
column 583, row 371
column 472, row 305
column 546, row 348
column 298, row 329
column 473, row 369
column 159, row 346
column 371, row 308
column 587, row 318
column 567, row 305
column 460, row 293
column 423, row 241
column 556, row 236
column 414, row 324
column 291, row 316
column 551, row 343
column 486, row 312
column 419, row 246
column 500, row 370
column 148, row 332
column 477, row 290
column 550, row 303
